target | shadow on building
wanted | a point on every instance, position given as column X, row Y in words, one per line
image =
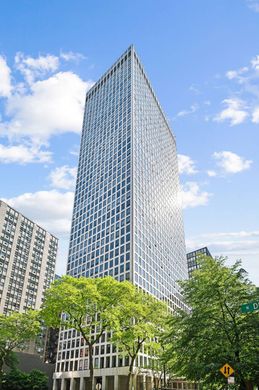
column 119, row 382
column 29, row 362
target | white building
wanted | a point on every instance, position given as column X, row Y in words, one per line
column 127, row 218
column 27, row 261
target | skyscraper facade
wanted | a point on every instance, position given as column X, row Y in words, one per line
column 193, row 259
column 27, row 261
column 127, row 217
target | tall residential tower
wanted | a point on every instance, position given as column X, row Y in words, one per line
column 127, row 218
column 27, row 261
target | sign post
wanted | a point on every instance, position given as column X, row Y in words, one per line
column 231, row 380
column 250, row 307
column 227, row 371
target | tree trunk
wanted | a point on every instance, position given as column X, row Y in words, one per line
column 245, row 385
column 91, row 366
column 242, row 384
column 1, row 372
column 130, row 374
column 164, row 372
column 1, row 378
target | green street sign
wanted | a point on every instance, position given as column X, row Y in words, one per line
column 249, row 307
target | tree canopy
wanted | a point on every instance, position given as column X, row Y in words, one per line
column 94, row 306
column 19, row 380
column 15, row 330
column 143, row 320
column 91, row 306
column 214, row 331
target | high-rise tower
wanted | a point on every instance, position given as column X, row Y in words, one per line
column 193, row 259
column 127, row 218
column 27, row 261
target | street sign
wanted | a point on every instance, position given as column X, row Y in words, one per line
column 249, row 307
column 226, row 370
column 231, row 380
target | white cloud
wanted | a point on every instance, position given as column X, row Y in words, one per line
column 72, row 56
column 235, row 245
column 255, row 60
column 50, row 209
column 193, row 108
column 5, row 78
column 186, row 165
column 43, row 104
column 236, row 74
column 238, row 235
column 63, row 177
column 247, row 79
column 75, row 150
column 234, row 112
column 192, row 196
column 32, row 68
column 211, row 173
column 23, row 154
column 255, row 115
column 247, row 75
column 230, row 162
column 226, row 243
column 225, row 246
column 193, row 88
column 232, row 74
column 52, row 106
column 253, row 5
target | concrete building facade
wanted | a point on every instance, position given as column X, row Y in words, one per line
column 127, row 216
column 27, row 261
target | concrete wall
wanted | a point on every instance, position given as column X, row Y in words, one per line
column 29, row 362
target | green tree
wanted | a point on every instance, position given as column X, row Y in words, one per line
column 91, row 306
column 214, row 331
column 15, row 379
column 15, row 330
column 157, row 364
column 37, row 380
column 19, row 380
column 144, row 317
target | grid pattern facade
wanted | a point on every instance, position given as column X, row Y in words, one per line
column 159, row 247
column 100, row 233
column 27, row 261
column 73, row 353
column 193, row 257
column 127, row 219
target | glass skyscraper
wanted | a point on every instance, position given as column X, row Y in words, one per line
column 127, row 217
column 193, row 259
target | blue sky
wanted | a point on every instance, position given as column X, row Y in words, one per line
column 202, row 58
